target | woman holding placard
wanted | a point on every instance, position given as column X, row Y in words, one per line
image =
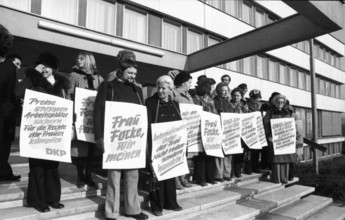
column 84, row 75
column 44, row 188
column 161, row 108
column 240, row 106
column 204, row 165
column 279, row 163
column 222, row 104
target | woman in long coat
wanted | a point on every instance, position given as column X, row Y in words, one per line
column 280, row 163
column 204, row 165
column 44, row 187
column 222, row 104
column 161, row 108
column 240, row 106
column 84, row 75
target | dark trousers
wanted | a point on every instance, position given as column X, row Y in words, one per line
column 44, row 182
column 5, row 149
column 165, row 196
column 237, row 160
column 264, row 159
column 204, row 168
column 292, row 169
column 255, row 157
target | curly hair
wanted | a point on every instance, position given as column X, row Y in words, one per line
column 6, row 39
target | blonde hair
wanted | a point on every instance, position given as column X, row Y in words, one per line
column 90, row 62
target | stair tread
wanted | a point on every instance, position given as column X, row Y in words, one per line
column 303, row 208
column 71, row 207
column 261, row 186
column 232, row 212
column 198, row 202
column 329, row 212
column 287, row 194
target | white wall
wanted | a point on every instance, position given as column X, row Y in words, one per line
column 278, row 7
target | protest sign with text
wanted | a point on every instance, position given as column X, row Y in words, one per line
column 83, row 108
column 249, row 133
column 45, row 131
column 283, row 135
column 211, row 134
column 231, row 127
column 260, row 129
column 191, row 115
column 125, row 135
column 169, row 145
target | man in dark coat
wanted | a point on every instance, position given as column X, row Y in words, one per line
column 7, row 102
column 122, row 88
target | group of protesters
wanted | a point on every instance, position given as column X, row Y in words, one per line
column 174, row 87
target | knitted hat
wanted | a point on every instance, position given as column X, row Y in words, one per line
column 181, row 78
column 48, row 59
column 255, row 93
column 126, row 59
column 278, row 96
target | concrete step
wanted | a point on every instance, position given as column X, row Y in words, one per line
column 72, row 207
column 330, row 212
column 232, row 212
column 299, row 210
column 266, row 202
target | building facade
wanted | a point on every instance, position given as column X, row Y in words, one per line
column 165, row 34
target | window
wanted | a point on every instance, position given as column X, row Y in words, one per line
column 231, row 7
column 328, row 88
column 301, row 80
column 306, row 46
column 259, row 19
column 135, row 26
column 337, row 62
column 301, row 115
column 322, row 87
column 270, row 19
column 337, row 91
column 23, row 5
column 261, row 67
column 234, row 66
column 283, row 74
column 62, row 10
column 293, row 77
column 332, row 89
column 248, row 66
column 194, row 41
column 213, row 41
column 273, row 74
column 309, row 124
column 308, row 82
column 101, row 16
column 215, row 3
column 172, row 37
column 247, row 13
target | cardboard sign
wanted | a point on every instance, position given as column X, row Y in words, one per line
column 125, row 135
column 46, row 129
column 211, row 134
column 283, row 135
column 231, row 127
column 169, row 145
column 191, row 115
column 260, row 129
column 249, row 132
column 83, row 108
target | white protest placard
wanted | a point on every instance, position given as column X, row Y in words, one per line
column 260, row 129
column 191, row 115
column 211, row 134
column 283, row 135
column 169, row 146
column 46, row 127
column 249, row 132
column 231, row 132
column 125, row 135
column 83, row 108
